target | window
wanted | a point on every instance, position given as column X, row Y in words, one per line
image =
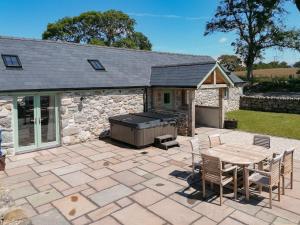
column 96, row 64
column 226, row 93
column 167, row 98
column 11, row 61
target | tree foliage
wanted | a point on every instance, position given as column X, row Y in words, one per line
column 231, row 62
column 298, row 4
column 270, row 65
column 259, row 25
column 109, row 28
column 297, row 64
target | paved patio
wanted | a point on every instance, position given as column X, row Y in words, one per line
column 107, row 183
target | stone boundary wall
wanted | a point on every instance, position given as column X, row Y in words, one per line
column 84, row 115
column 210, row 97
column 6, row 107
column 270, row 104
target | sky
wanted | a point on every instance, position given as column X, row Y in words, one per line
column 171, row 25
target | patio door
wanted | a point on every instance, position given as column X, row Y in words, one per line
column 35, row 122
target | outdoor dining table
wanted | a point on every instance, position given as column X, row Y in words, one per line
column 242, row 156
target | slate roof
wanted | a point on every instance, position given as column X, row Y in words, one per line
column 50, row 65
column 233, row 77
column 184, row 75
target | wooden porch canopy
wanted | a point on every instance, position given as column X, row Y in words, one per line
column 195, row 76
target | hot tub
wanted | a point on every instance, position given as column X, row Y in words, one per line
column 140, row 129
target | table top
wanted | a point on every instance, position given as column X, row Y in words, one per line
column 239, row 154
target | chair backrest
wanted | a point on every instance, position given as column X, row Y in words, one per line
column 195, row 145
column 211, row 168
column 214, row 140
column 261, row 140
column 275, row 167
column 288, row 161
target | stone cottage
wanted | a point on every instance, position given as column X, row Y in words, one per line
column 55, row 93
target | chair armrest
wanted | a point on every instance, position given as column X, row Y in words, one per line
column 229, row 169
column 191, row 152
column 259, row 171
column 196, row 153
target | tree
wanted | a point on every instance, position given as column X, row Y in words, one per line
column 298, row 4
column 137, row 41
column 230, row 62
column 297, row 64
column 270, row 65
column 258, row 24
column 141, row 41
column 110, row 28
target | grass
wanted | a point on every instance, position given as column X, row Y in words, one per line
column 276, row 124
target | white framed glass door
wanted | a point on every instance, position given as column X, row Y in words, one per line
column 48, row 132
column 36, row 122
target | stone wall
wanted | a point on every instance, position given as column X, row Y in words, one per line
column 182, row 120
column 210, row 97
column 84, row 115
column 177, row 109
column 270, row 104
column 6, row 107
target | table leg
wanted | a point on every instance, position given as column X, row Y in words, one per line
column 260, row 167
column 246, row 183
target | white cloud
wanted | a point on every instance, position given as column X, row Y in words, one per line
column 222, row 40
column 167, row 16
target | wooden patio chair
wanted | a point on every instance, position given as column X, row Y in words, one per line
column 196, row 155
column 287, row 167
column 268, row 179
column 214, row 140
column 212, row 171
column 262, row 140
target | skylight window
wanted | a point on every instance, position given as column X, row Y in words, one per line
column 11, row 61
column 96, row 64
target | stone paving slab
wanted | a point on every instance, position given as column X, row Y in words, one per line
column 50, row 218
column 137, row 215
column 128, row 178
column 162, row 186
column 69, row 169
column 111, row 194
column 74, row 206
column 42, row 198
column 174, row 212
column 76, row 178
column 114, row 184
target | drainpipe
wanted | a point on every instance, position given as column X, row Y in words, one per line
column 2, row 154
column 146, row 99
column 0, row 142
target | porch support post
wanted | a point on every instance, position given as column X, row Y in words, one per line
column 191, row 113
column 221, row 108
column 215, row 77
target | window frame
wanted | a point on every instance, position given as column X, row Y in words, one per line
column 97, row 61
column 226, row 93
column 170, row 98
column 19, row 66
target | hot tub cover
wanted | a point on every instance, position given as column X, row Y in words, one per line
column 134, row 121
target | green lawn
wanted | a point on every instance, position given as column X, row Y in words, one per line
column 277, row 124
